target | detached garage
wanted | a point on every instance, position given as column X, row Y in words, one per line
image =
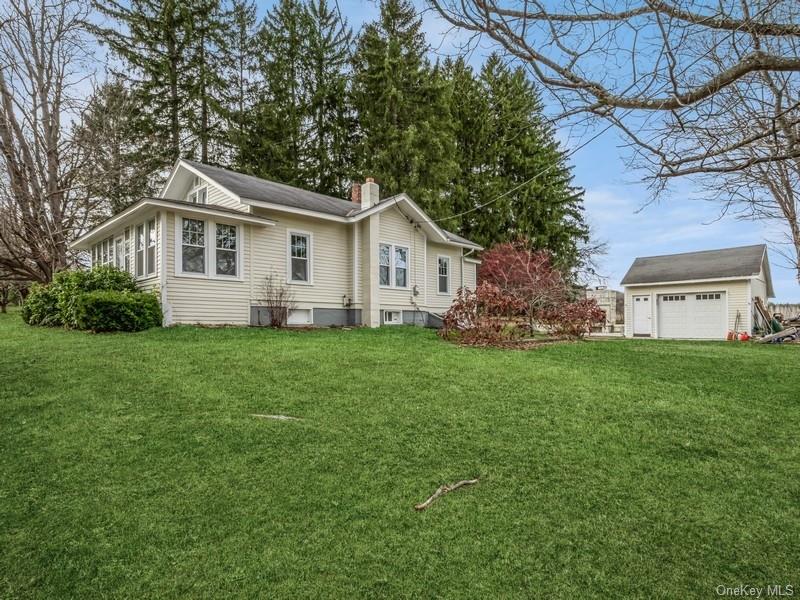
column 696, row 295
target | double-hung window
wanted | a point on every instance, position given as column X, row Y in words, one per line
column 140, row 250
column 225, row 250
column 393, row 266
column 151, row 247
column 299, row 257
column 444, row 274
column 193, row 246
column 127, row 260
column 119, row 254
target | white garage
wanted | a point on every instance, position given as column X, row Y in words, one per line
column 696, row 295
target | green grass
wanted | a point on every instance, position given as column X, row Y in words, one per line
column 130, row 466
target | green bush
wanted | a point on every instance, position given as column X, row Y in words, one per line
column 68, row 286
column 41, row 307
column 116, row 311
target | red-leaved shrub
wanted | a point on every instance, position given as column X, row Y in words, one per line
column 519, row 290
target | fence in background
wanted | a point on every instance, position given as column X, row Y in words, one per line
column 788, row 310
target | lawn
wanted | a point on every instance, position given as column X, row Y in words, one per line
column 131, row 466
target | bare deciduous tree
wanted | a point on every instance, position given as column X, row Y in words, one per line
column 42, row 69
column 650, row 67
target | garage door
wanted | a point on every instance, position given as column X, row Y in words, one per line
column 692, row 316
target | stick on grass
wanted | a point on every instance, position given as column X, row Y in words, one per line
column 444, row 489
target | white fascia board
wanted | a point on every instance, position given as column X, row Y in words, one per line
column 423, row 218
column 688, row 281
column 143, row 205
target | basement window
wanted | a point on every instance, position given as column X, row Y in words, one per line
column 392, row 317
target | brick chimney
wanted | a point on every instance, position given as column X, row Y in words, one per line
column 369, row 193
column 355, row 193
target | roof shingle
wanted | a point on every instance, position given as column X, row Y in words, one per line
column 744, row 261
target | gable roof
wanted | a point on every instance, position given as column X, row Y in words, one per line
column 727, row 263
column 251, row 187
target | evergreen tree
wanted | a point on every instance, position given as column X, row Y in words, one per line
column 405, row 128
column 331, row 124
column 207, row 31
column 241, row 65
column 151, row 36
column 516, row 160
column 118, row 165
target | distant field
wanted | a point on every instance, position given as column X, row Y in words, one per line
column 131, row 466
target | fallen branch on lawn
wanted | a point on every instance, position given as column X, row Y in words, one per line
column 444, row 489
column 276, row 417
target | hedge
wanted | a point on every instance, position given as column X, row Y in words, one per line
column 117, row 311
column 102, row 299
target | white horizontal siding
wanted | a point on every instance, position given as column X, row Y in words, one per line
column 204, row 300
column 737, row 294
column 470, row 275
column 331, row 258
column 439, row 302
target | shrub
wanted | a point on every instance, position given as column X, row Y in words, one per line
column 573, row 319
column 112, row 310
column 483, row 316
column 68, row 286
column 41, row 307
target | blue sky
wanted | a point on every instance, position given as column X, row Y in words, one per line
column 616, row 203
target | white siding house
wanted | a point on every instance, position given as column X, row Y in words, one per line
column 212, row 237
column 696, row 295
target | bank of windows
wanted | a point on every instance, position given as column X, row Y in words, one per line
column 393, row 263
column 205, row 242
column 707, row 297
column 673, row 298
column 134, row 251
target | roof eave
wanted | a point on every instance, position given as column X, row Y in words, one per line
column 145, row 203
column 686, row 281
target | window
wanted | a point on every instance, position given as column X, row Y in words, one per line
column 707, row 297
column 392, row 317
column 198, row 196
column 193, row 246
column 140, row 250
column 401, row 267
column 225, row 250
column 299, row 257
column 444, row 274
column 393, row 266
column 385, row 265
column 127, row 260
column 118, row 253
column 151, row 246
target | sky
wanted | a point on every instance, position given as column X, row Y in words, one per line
column 616, row 202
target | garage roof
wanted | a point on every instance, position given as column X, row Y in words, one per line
column 726, row 263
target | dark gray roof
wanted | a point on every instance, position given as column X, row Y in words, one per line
column 254, row 188
column 744, row 261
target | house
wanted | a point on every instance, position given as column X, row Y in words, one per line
column 612, row 303
column 210, row 239
column 700, row 295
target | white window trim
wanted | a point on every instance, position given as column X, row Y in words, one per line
column 392, row 269
column 400, row 316
column 119, row 257
column 210, row 250
column 195, row 189
column 310, row 236
column 154, row 272
column 449, row 274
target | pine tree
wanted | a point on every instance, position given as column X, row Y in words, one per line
column 279, row 126
column 405, row 128
column 118, row 164
column 151, row 36
column 241, row 65
column 204, row 114
column 513, row 161
column 331, row 124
